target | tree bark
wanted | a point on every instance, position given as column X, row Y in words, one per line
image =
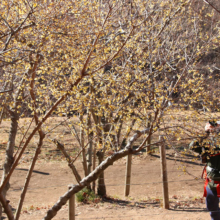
column 90, row 137
column 2, row 114
column 6, row 207
column 82, row 135
column 128, row 175
column 9, row 160
column 101, row 189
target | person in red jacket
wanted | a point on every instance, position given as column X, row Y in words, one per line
column 210, row 152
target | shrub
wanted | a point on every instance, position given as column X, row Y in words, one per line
column 85, row 195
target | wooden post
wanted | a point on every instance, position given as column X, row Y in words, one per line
column 71, row 205
column 149, row 140
column 128, row 175
column 94, row 166
column 164, row 174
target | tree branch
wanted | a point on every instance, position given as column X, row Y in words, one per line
column 6, row 207
column 6, row 91
column 207, row 2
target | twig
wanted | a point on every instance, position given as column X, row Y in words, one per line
column 56, row 126
column 95, row 42
column 116, row 54
column 82, row 150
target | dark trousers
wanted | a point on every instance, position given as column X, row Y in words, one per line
column 212, row 204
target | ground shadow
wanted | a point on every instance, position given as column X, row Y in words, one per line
column 171, row 157
column 189, row 209
column 34, row 171
column 131, row 204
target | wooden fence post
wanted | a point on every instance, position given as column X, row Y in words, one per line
column 71, row 205
column 149, row 140
column 164, row 174
column 128, row 175
column 94, row 166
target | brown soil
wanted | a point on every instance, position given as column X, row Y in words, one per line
column 50, row 181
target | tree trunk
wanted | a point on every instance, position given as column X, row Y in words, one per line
column 101, row 189
column 10, row 148
column 3, row 101
column 2, row 114
column 89, row 153
column 9, row 159
column 128, row 175
column 82, row 147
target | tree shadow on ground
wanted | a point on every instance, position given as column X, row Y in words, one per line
column 179, row 159
column 34, row 171
column 189, row 209
column 176, row 205
column 131, row 204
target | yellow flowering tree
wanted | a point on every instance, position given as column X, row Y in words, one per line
column 131, row 65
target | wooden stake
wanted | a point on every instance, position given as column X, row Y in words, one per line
column 164, row 174
column 94, row 166
column 71, row 205
column 128, row 175
column 149, row 140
